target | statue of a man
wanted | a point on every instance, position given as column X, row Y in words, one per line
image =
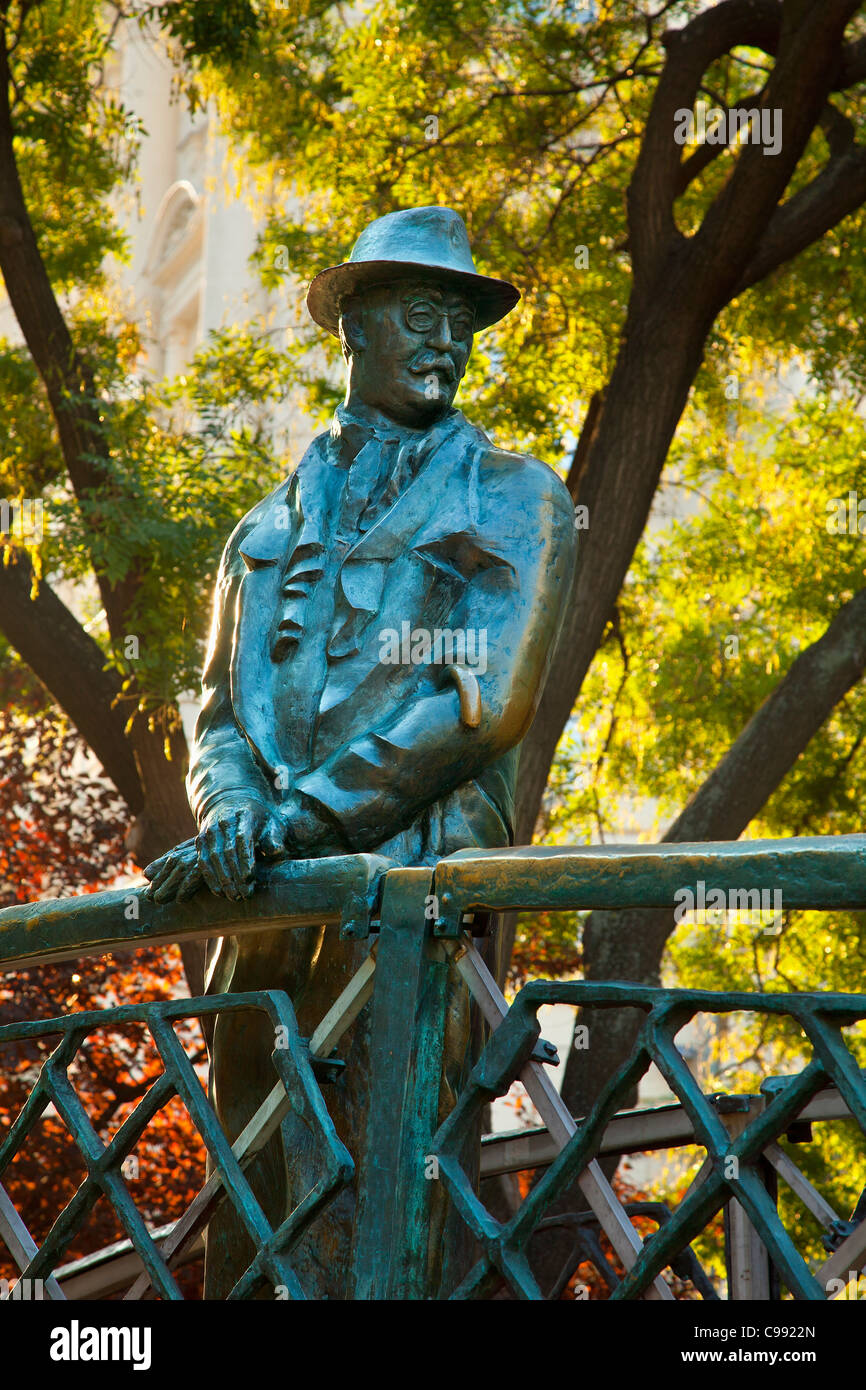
column 382, row 628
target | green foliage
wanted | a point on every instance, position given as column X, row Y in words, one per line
column 529, row 121
column 191, row 456
column 74, row 143
column 716, row 608
column 30, row 459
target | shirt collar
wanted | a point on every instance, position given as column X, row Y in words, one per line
column 356, row 432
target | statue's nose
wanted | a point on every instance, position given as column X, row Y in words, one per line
column 440, row 335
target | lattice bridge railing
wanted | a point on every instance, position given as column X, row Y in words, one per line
column 407, row 979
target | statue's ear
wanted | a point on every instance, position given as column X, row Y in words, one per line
column 352, row 326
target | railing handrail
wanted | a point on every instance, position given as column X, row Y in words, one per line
column 811, row 872
column 824, row 871
column 341, row 889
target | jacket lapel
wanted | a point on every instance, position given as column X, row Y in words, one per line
column 282, row 554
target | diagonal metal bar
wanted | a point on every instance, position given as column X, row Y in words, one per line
column 830, row 1046
column 345, row 1008
column 851, row 1255
column 264, row 1122
column 583, row 1146
column 101, row 1179
column 482, row 1281
column 250, row 1141
column 556, row 1115
column 800, row 1185
column 21, row 1244
column 700, row 1205
column 35, row 1105
column 190, row 1090
column 761, row 1209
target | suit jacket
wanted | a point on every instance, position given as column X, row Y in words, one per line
column 296, row 694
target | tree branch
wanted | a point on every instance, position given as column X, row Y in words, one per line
column 798, row 87
column 703, row 156
column 833, row 194
column 691, row 50
column 778, row 732
column 582, row 448
column 629, row 945
column 71, row 666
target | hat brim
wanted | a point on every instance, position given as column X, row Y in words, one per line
column 493, row 298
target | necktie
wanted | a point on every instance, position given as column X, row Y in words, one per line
column 399, row 467
column 381, row 468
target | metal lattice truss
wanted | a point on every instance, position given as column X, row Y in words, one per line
column 736, row 1143
column 413, row 960
column 296, row 1091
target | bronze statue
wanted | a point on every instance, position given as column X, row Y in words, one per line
column 383, row 623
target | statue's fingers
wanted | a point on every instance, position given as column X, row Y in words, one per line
column 166, row 890
column 156, row 868
column 219, row 840
column 186, row 848
column 190, row 884
column 230, row 859
column 214, row 872
column 208, row 840
column 245, row 846
column 206, row 870
column 159, row 871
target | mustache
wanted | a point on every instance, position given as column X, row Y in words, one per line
column 422, row 365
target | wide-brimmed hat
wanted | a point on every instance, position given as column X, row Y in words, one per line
column 427, row 242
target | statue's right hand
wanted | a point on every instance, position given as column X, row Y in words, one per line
column 227, row 841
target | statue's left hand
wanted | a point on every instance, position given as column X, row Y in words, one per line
column 221, row 856
column 298, row 831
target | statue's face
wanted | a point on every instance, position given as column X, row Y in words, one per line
column 410, row 343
